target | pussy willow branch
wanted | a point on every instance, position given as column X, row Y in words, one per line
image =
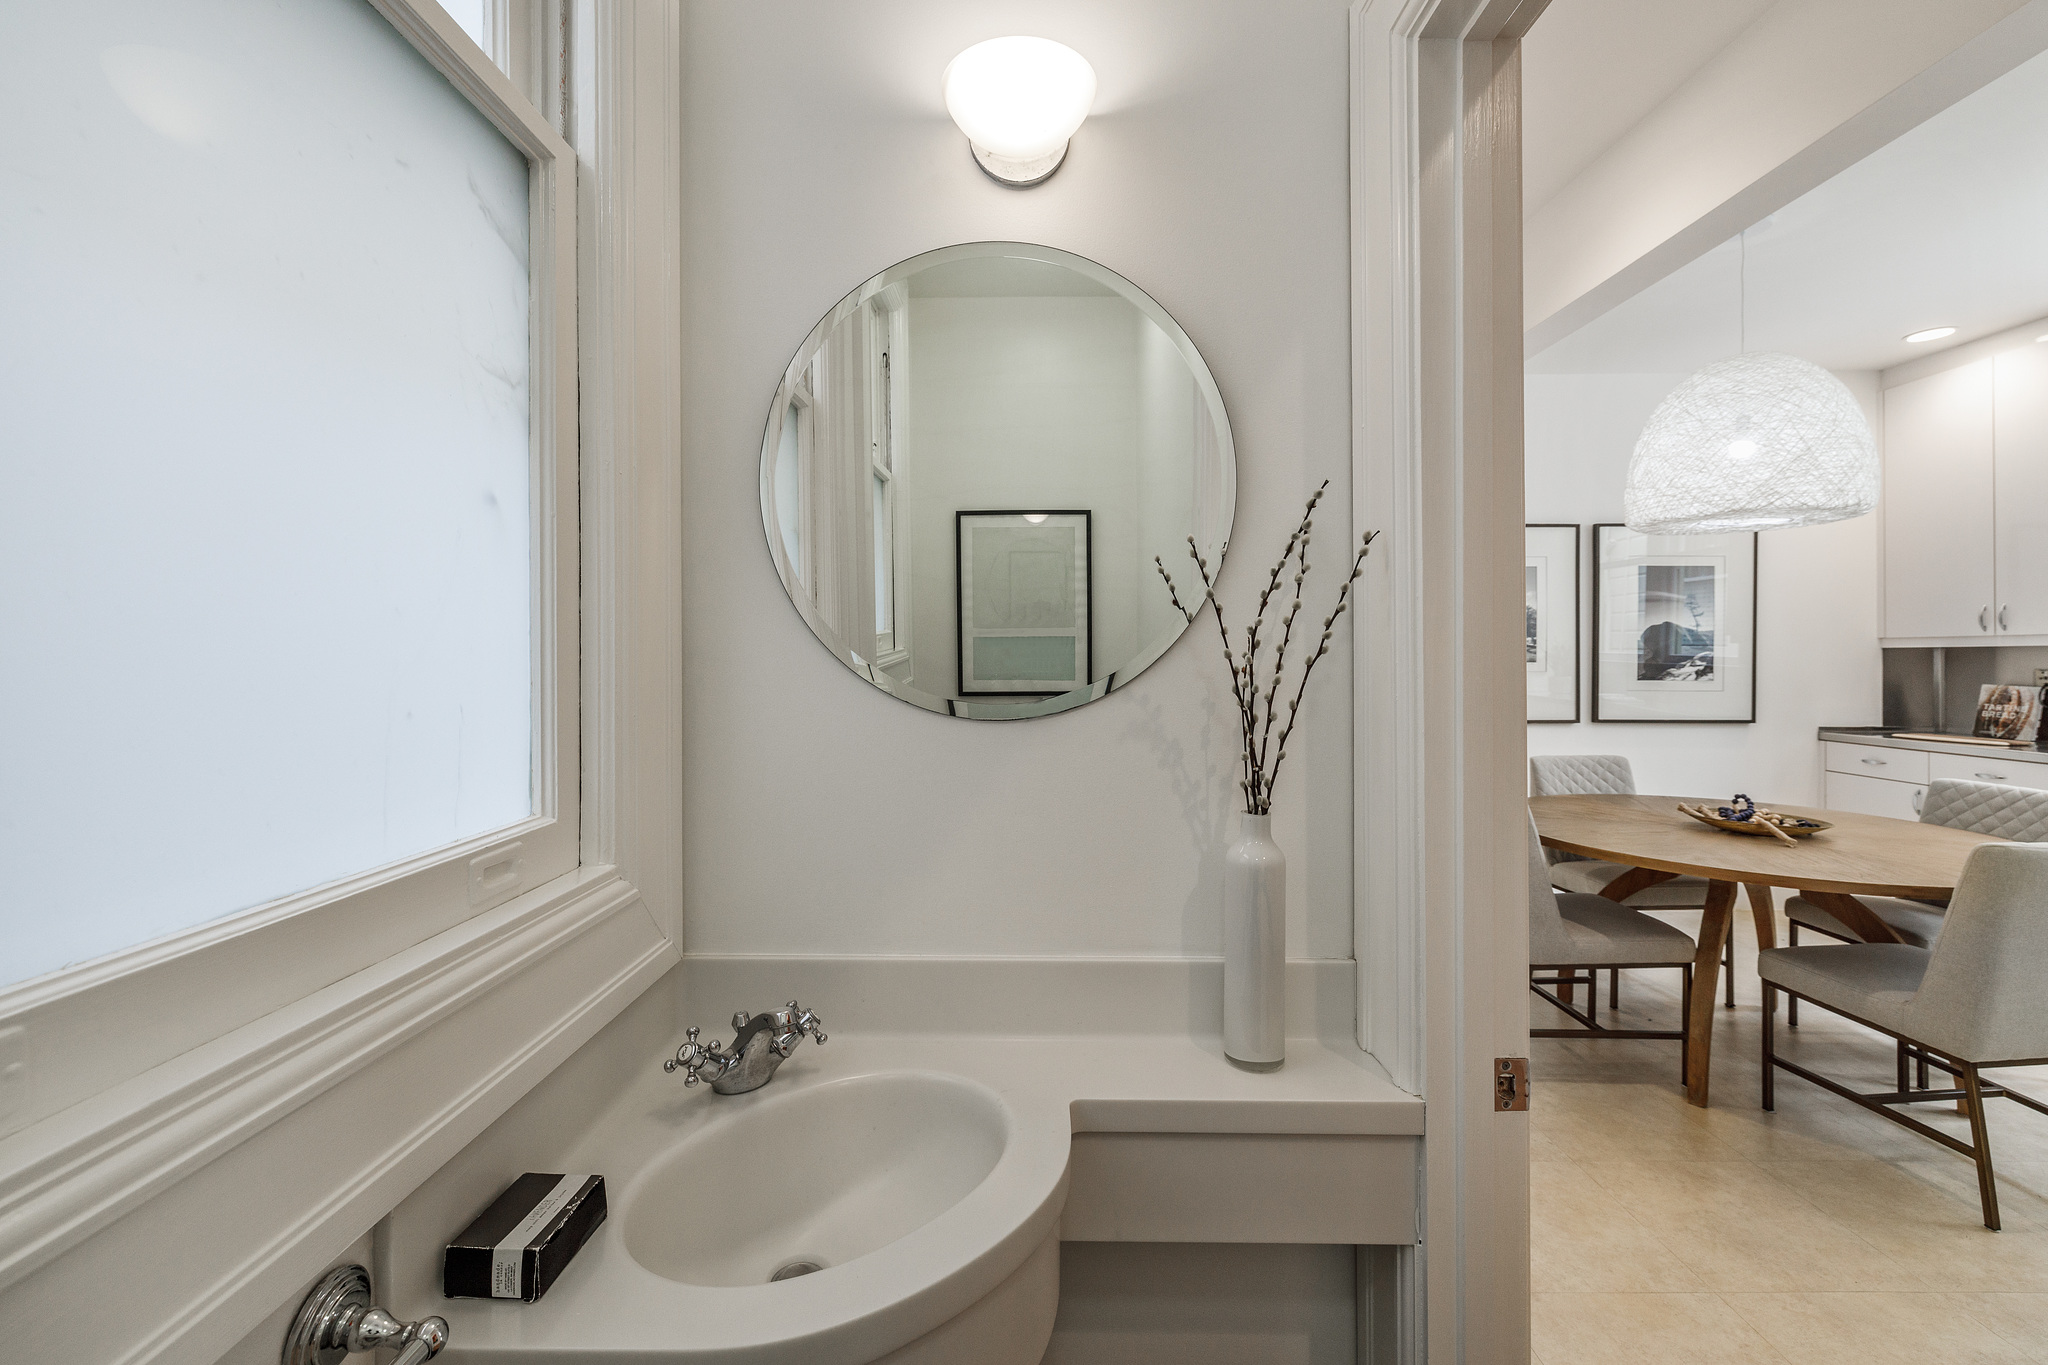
column 1258, row 709
column 1300, row 546
column 1244, row 711
column 1322, row 648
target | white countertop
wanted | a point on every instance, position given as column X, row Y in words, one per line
column 607, row 1305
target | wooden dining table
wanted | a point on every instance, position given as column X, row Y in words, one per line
column 1863, row 855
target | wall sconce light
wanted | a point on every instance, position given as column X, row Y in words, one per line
column 1019, row 100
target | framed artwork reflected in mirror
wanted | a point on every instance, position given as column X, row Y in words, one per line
column 1025, row 607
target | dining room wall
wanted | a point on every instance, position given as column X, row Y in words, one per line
column 1818, row 661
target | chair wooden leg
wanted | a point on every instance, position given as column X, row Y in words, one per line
column 1770, row 1097
column 1685, row 1013
column 1792, row 1001
column 1980, row 1138
column 1902, row 1068
column 1728, row 963
column 1614, row 988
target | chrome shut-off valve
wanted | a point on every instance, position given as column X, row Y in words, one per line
column 761, row 1042
column 337, row 1320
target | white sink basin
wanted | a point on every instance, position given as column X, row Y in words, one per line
column 818, row 1177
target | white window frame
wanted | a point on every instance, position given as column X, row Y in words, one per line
column 887, row 336
column 805, row 570
column 165, row 997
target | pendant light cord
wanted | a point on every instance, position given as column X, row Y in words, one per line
column 1742, row 295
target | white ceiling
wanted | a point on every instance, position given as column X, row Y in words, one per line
column 1591, row 69
column 1946, row 226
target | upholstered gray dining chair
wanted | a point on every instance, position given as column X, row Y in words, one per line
column 1571, row 931
column 1978, row 998
column 1982, row 808
column 1610, row 775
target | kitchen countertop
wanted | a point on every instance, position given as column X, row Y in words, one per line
column 1885, row 736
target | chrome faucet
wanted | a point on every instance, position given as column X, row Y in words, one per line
column 760, row 1044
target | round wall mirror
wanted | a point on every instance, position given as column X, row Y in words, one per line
column 970, row 466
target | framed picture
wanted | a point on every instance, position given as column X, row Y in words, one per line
column 1025, row 605
column 1551, row 589
column 1674, row 626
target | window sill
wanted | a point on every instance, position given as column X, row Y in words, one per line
column 86, row 1167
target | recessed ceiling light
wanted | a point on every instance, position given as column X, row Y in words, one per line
column 1931, row 334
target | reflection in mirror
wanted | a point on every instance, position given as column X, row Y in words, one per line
column 969, row 467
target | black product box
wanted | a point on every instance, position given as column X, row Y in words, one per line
column 524, row 1240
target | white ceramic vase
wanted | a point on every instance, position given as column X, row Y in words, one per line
column 1255, row 947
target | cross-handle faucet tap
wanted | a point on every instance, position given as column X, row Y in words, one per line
column 761, row 1043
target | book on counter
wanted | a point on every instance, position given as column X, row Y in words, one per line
column 521, row 1244
column 2009, row 712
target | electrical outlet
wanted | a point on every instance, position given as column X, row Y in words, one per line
column 2041, row 677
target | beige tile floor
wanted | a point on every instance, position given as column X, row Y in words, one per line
column 1817, row 1234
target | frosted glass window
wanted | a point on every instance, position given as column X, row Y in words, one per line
column 470, row 15
column 264, row 546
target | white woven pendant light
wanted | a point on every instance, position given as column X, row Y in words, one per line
column 1750, row 443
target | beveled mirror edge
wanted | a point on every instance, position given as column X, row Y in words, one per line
column 786, row 390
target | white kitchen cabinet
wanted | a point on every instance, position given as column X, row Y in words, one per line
column 1875, row 796
column 1989, row 768
column 2020, row 440
column 1939, row 561
column 1874, row 760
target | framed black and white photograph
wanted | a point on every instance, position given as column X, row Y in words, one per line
column 1026, row 609
column 1674, row 626
column 1551, row 582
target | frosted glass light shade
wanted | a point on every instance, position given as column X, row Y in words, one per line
column 1750, row 443
column 1019, row 100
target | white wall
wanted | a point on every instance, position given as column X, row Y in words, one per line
column 1818, row 661
column 821, row 816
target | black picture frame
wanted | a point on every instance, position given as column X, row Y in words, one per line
column 962, row 639
column 1577, row 616
column 1746, row 542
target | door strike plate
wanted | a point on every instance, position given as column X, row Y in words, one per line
column 1510, row 1084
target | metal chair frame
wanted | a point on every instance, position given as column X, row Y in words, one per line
column 1972, row 1092
column 1589, row 1021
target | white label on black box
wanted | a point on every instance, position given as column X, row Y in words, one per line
column 508, row 1256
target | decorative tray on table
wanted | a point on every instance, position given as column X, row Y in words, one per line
column 1746, row 817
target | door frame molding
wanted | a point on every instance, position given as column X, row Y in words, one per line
column 1441, row 931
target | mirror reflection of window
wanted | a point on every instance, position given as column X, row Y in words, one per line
column 789, row 492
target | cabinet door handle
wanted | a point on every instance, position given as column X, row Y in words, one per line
column 1917, row 794
column 1984, row 618
column 1990, row 777
column 1876, row 762
column 2002, row 610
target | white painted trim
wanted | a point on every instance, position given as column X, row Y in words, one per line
column 74, row 1173
column 355, row 1099
column 627, row 127
column 1440, row 927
